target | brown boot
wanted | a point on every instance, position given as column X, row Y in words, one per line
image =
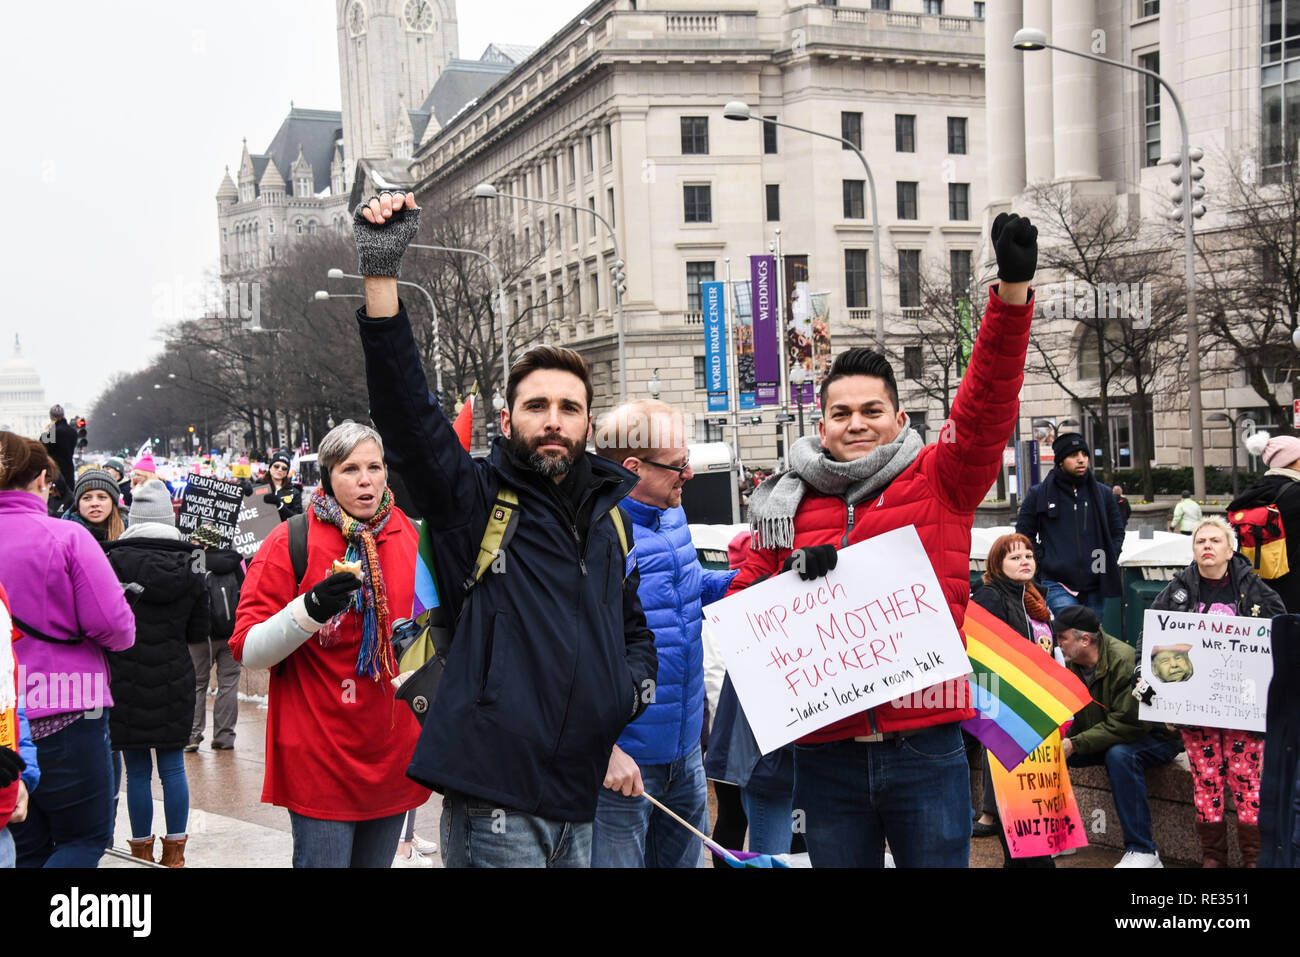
column 173, row 852
column 1214, row 843
column 143, row 850
column 1248, row 841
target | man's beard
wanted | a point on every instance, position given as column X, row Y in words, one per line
column 549, row 466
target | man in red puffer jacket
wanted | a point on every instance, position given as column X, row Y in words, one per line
column 897, row 772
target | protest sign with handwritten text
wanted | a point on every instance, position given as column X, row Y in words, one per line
column 1036, row 803
column 803, row 655
column 1207, row 671
column 257, row 519
column 210, row 501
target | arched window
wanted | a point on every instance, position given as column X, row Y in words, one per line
column 311, row 228
column 299, row 225
column 270, row 226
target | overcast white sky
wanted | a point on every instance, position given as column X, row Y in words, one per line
column 119, row 119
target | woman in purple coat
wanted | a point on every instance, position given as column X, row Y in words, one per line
column 69, row 609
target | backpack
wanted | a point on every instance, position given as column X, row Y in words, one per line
column 1261, row 537
column 427, row 641
column 223, row 599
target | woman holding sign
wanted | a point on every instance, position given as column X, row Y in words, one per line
column 1007, row 591
column 1217, row 582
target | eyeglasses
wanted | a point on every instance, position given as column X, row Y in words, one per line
column 679, row 469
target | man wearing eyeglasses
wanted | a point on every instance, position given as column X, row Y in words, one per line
column 659, row 753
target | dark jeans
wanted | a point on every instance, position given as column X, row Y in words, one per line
column 1058, row 599
column 1127, row 764
column 632, row 832
column 913, row 792
column 139, row 789
column 69, row 815
column 319, row 843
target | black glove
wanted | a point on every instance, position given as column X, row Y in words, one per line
column 270, row 499
column 1015, row 243
column 812, row 562
column 11, row 767
column 330, row 596
column 380, row 245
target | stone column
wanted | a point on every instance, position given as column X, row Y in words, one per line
column 1040, row 161
column 1074, row 90
column 1004, row 101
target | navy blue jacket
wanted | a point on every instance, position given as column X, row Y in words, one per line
column 674, row 590
column 551, row 658
column 1074, row 533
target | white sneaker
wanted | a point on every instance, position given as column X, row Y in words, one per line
column 422, row 846
column 414, row 860
column 1138, row 859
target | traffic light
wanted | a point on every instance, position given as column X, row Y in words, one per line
column 81, row 432
column 1195, row 173
column 620, row 279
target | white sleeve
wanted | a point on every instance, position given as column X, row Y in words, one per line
column 275, row 639
column 715, row 670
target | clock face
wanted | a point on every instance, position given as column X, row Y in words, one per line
column 419, row 15
column 356, row 18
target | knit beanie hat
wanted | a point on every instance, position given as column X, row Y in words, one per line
column 145, row 463
column 117, row 464
column 1281, row 451
column 280, row 457
column 95, row 479
column 207, row 535
column 1066, row 444
column 151, row 502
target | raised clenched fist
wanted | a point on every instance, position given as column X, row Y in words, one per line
column 382, row 228
column 1015, row 243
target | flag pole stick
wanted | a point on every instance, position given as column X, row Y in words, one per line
column 718, row 848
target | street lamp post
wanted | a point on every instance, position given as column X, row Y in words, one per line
column 1232, row 421
column 488, row 191
column 337, row 273
column 739, row 111
column 799, row 375
column 501, row 298
column 1033, row 39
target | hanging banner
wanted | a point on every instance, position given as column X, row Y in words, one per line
column 1036, row 803
column 744, row 343
column 715, row 345
column 767, row 361
column 799, row 344
column 821, row 335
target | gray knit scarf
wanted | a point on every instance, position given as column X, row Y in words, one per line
column 773, row 504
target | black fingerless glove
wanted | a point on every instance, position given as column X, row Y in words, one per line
column 812, row 562
column 330, row 596
column 11, row 767
column 1015, row 243
column 380, row 245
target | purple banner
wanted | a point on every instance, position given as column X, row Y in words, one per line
column 767, row 360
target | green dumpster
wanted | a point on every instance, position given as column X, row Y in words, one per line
column 1141, row 594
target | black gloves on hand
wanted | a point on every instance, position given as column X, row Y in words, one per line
column 330, row 596
column 812, row 562
column 11, row 767
column 380, row 245
column 270, row 499
column 1015, row 243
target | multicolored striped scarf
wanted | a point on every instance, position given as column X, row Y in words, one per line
column 371, row 599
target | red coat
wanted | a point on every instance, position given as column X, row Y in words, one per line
column 8, row 724
column 337, row 744
column 937, row 493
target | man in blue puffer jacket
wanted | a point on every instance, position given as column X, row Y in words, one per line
column 660, row 751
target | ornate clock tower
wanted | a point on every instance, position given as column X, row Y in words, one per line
column 391, row 52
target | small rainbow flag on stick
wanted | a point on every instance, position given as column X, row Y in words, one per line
column 1022, row 695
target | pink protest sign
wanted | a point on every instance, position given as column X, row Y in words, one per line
column 1036, row 803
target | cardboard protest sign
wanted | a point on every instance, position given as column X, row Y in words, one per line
column 257, row 520
column 241, row 471
column 803, row 655
column 208, row 500
column 1036, row 802
column 1207, row 670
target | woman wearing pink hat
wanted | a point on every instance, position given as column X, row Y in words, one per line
column 1280, row 486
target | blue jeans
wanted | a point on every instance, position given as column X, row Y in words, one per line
column 1127, row 764
column 7, row 854
column 69, row 815
column 1058, row 598
column 632, row 832
column 139, row 789
column 913, row 792
column 319, row 843
column 478, row 833
column 770, row 820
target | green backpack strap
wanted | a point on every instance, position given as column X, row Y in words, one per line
column 616, row 516
column 503, row 520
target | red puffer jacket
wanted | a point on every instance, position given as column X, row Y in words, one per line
column 937, row 493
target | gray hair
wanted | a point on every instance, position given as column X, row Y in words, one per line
column 339, row 443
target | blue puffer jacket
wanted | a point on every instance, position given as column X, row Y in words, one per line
column 674, row 589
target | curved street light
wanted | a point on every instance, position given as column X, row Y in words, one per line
column 337, row 273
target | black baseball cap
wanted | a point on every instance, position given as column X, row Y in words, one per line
column 1076, row 618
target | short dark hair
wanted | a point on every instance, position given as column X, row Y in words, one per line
column 547, row 357
column 22, row 460
column 862, row 362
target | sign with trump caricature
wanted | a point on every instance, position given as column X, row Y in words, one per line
column 1206, row 670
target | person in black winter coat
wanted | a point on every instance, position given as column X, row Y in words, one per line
column 1280, row 486
column 153, row 681
column 224, row 578
column 60, row 441
column 285, row 495
column 1077, row 531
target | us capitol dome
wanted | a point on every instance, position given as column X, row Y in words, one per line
column 23, row 408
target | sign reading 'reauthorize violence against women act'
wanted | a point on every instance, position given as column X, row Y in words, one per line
column 803, row 655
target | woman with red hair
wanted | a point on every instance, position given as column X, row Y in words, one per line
column 1007, row 591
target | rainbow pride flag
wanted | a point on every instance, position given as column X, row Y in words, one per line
column 1022, row 695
